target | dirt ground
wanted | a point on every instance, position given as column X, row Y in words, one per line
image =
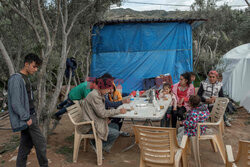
column 60, row 146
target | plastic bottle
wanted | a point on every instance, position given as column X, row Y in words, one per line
column 131, row 102
column 132, row 98
column 137, row 95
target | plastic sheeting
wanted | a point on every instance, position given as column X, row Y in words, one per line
column 236, row 77
column 135, row 51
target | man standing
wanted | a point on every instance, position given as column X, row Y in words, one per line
column 22, row 112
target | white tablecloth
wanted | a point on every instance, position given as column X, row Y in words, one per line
column 146, row 112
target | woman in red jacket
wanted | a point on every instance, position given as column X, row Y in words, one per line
column 182, row 90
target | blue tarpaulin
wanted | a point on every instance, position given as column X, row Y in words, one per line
column 135, row 51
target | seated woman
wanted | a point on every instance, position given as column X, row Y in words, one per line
column 182, row 90
column 113, row 100
column 94, row 110
column 211, row 89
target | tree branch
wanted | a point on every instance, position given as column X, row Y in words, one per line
column 75, row 18
column 57, row 22
column 66, row 13
column 45, row 27
column 247, row 2
column 7, row 58
column 27, row 20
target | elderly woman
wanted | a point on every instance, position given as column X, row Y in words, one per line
column 209, row 90
column 94, row 110
column 182, row 90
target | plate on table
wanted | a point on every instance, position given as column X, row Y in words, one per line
column 141, row 105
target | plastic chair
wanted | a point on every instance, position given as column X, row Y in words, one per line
column 159, row 146
column 217, row 122
column 243, row 156
column 81, row 132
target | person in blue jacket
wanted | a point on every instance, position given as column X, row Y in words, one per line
column 22, row 112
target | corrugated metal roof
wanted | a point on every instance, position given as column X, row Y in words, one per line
column 194, row 22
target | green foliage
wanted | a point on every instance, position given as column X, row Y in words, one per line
column 70, row 139
column 11, row 145
column 66, row 151
column 225, row 29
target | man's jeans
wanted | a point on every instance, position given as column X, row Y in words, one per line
column 64, row 104
column 112, row 136
column 30, row 137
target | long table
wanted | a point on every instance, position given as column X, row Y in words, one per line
column 143, row 111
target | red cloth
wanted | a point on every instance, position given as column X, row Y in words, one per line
column 134, row 93
column 182, row 94
column 190, row 92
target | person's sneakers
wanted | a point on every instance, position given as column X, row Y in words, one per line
column 59, row 107
column 227, row 123
column 92, row 145
column 124, row 134
column 56, row 117
column 106, row 149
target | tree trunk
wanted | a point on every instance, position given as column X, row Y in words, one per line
column 75, row 82
column 87, row 67
column 18, row 59
column 41, row 88
column 60, row 74
column 77, row 76
column 69, row 85
column 7, row 58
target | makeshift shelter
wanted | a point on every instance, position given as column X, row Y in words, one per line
column 133, row 50
column 236, row 77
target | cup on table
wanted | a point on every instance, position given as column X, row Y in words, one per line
column 161, row 104
column 154, row 112
column 135, row 110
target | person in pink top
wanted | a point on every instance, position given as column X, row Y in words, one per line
column 182, row 90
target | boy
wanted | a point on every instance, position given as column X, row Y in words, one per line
column 22, row 112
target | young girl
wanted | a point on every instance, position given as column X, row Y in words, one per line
column 198, row 113
column 166, row 94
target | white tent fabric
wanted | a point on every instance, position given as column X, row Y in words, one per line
column 236, row 78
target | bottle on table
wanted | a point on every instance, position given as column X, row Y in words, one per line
column 132, row 102
column 137, row 95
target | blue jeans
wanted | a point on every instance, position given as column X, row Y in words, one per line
column 112, row 136
column 64, row 104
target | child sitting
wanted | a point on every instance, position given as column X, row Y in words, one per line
column 166, row 94
column 199, row 113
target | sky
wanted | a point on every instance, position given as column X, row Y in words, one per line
column 168, row 4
